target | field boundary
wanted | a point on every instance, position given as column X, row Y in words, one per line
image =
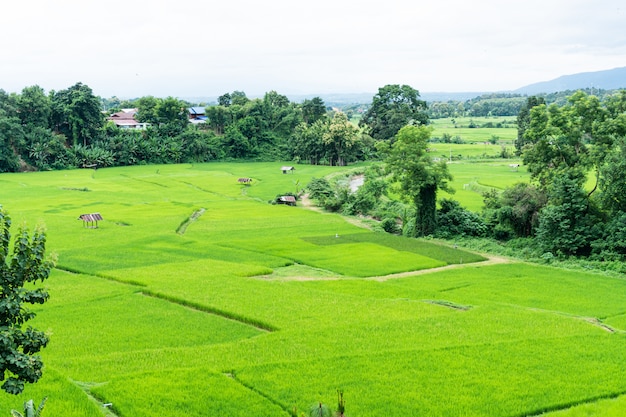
column 566, row 406
column 258, row 324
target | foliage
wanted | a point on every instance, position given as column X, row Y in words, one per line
column 26, row 265
column 76, row 114
column 29, row 409
column 340, row 140
column 313, row 110
column 320, row 410
column 568, row 224
column 523, row 120
column 418, row 176
column 516, row 209
column 575, row 137
column 11, row 136
column 393, row 107
column 453, row 220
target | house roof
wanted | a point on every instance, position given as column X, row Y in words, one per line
column 288, row 199
column 198, row 110
column 130, row 115
column 286, row 168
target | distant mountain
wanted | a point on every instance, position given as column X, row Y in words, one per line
column 606, row 80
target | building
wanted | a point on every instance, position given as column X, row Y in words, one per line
column 125, row 119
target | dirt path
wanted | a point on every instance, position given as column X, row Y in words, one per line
column 491, row 260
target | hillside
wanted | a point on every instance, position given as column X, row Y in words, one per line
column 605, row 80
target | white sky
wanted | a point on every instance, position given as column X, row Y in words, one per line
column 133, row 48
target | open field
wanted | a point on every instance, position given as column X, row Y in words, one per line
column 196, row 297
column 477, row 135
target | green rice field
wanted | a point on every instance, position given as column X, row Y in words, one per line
column 196, row 297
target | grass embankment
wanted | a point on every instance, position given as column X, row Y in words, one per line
column 223, row 339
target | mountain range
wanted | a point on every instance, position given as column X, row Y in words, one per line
column 605, row 80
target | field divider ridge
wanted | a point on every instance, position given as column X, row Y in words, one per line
column 233, row 376
column 572, row 404
column 211, row 310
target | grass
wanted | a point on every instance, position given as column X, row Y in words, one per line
column 260, row 310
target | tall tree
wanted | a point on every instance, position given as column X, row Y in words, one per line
column 418, row 175
column 392, row 108
column 146, row 110
column 12, row 139
column 34, row 107
column 340, row 139
column 523, row 120
column 575, row 137
column 173, row 116
column 313, row 110
column 19, row 363
column 76, row 113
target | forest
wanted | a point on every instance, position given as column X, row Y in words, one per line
column 572, row 144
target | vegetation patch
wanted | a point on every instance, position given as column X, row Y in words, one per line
column 76, row 189
column 182, row 228
column 449, row 304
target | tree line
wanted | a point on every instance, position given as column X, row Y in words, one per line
column 500, row 104
column 68, row 129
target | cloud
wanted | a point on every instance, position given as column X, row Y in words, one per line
column 139, row 47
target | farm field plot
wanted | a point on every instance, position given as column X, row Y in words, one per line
column 194, row 296
column 504, row 128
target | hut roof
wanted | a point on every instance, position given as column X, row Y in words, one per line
column 91, row 217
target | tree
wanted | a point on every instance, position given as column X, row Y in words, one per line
column 27, row 265
column 340, row 139
column 392, row 108
column 517, row 209
column 568, row 225
column 12, row 138
column 313, row 110
column 34, row 107
column 575, row 137
column 306, row 142
column 172, row 115
column 146, row 110
column 76, row 114
column 523, row 120
column 418, row 175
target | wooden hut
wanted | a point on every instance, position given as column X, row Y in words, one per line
column 286, row 169
column 90, row 220
column 287, row 199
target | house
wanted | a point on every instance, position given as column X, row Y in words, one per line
column 197, row 115
column 125, row 119
column 287, row 169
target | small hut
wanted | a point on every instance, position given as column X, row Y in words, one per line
column 287, row 199
column 90, row 220
column 245, row 181
column 287, row 169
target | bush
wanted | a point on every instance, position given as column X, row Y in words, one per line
column 454, row 220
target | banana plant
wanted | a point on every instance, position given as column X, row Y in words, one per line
column 29, row 409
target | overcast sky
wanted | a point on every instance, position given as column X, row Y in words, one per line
column 133, row 48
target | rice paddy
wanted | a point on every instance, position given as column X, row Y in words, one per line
column 262, row 310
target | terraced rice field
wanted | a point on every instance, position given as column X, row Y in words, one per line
column 195, row 296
